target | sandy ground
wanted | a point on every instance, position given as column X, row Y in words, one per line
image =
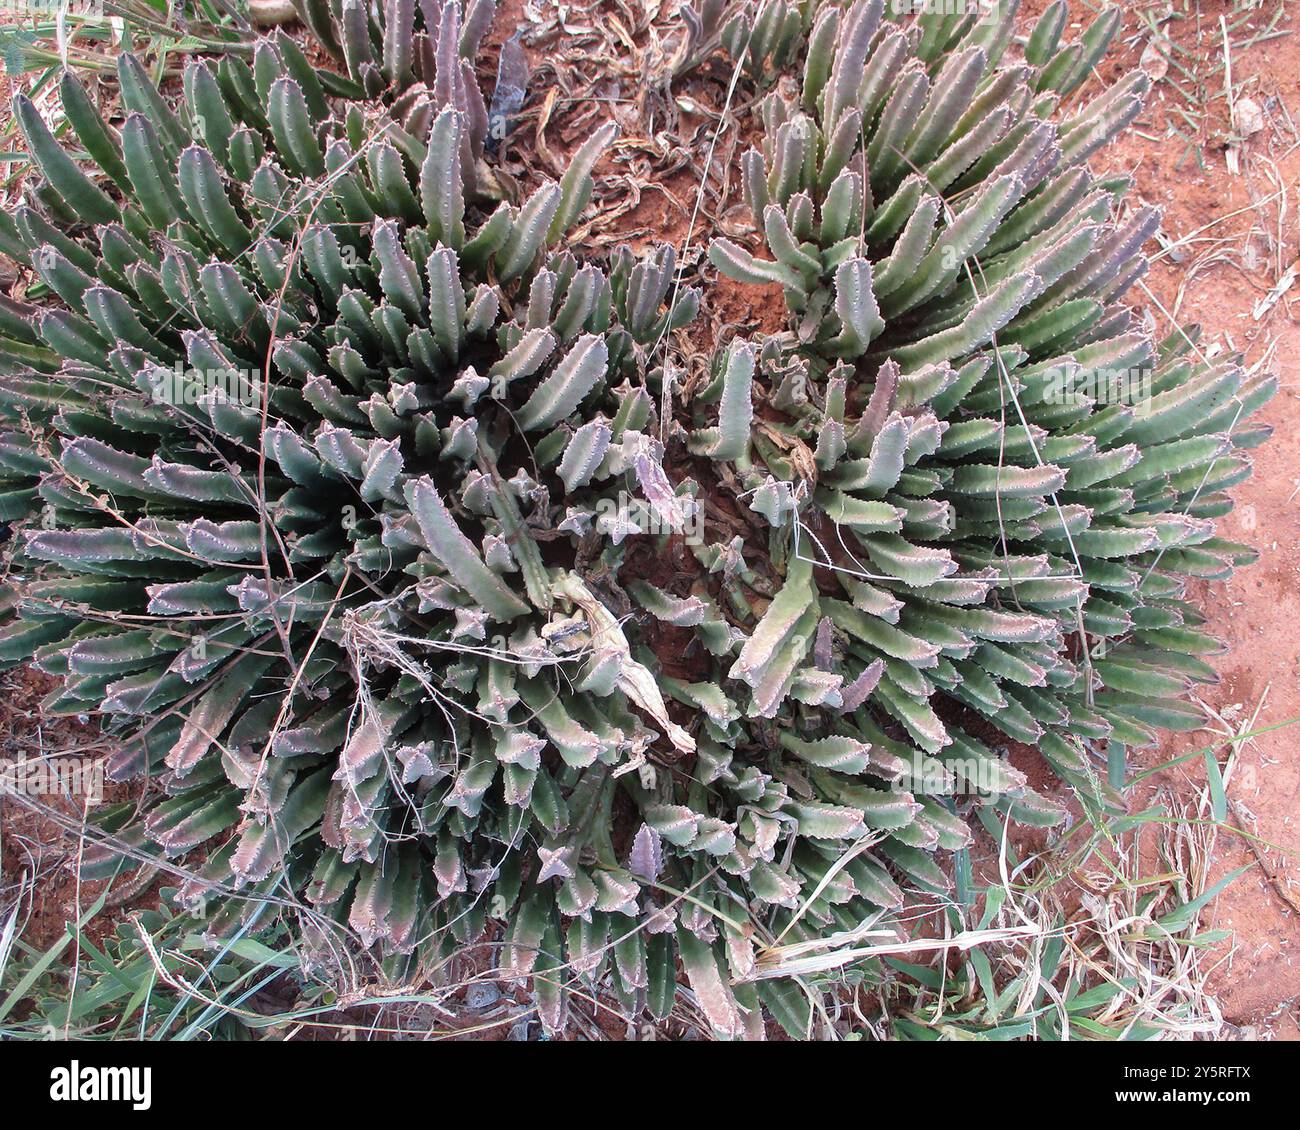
column 1241, row 237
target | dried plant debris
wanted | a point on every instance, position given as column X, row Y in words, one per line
column 377, row 527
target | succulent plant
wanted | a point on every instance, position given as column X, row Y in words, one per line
column 763, row 38
column 1009, row 482
column 309, row 453
column 331, row 471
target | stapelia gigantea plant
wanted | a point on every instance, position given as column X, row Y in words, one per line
column 370, row 631
column 1005, row 544
column 984, row 483
column 308, row 460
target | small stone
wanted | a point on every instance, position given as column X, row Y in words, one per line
column 1247, row 117
column 482, row 994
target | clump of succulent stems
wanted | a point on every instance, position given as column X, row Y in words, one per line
column 329, row 467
